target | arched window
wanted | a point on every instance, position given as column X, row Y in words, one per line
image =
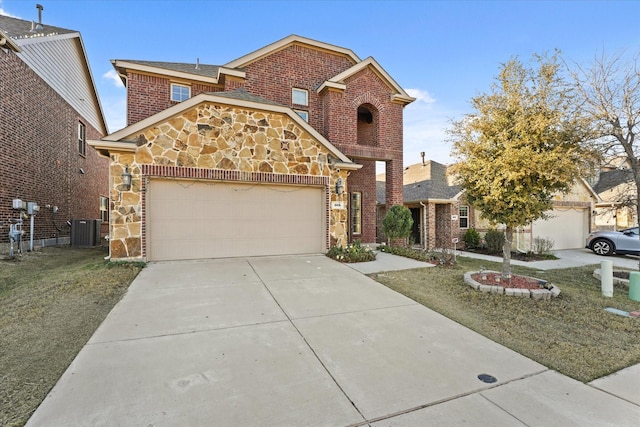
column 367, row 125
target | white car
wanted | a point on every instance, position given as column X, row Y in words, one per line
column 620, row 242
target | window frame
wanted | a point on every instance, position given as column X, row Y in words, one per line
column 82, row 139
column 104, row 213
column 300, row 91
column 181, row 86
column 355, row 214
column 465, row 217
column 304, row 114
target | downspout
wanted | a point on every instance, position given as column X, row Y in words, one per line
column 424, row 225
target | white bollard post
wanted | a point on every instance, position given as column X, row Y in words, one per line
column 606, row 277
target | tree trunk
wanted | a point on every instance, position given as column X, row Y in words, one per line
column 506, row 254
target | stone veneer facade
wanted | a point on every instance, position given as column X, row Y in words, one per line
column 214, row 141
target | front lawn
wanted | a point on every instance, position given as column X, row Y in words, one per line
column 571, row 334
column 51, row 302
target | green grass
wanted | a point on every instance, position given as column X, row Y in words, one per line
column 571, row 334
column 51, row 302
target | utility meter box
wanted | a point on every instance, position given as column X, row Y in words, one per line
column 18, row 204
column 32, row 208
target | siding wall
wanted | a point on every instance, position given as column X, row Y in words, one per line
column 39, row 159
column 60, row 63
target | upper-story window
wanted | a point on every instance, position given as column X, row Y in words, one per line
column 299, row 96
column 82, row 139
column 180, row 93
column 303, row 114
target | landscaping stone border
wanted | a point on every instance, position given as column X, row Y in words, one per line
column 597, row 273
column 536, row 294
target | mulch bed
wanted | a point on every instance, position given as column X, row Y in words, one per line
column 527, row 257
column 518, row 282
column 621, row 274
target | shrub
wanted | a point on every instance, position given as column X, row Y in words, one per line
column 471, row 239
column 542, row 246
column 353, row 252
column 397, row 222
column 416, row 254
column 494, row 240
column 444, row 257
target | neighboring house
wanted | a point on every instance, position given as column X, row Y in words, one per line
column 617, row 190
column 432, row 198
column 441, row 214
column 272, row 153
column 49, row 108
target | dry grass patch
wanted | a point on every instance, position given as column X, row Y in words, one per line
column 51, row 302
column 571, row 334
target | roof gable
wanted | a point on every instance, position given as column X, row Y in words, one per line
column 245, row 60
column 58, row 56
column 239, row 98
column 338, row 81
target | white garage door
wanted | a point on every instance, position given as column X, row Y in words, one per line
column 567, row 228
column 197, row 219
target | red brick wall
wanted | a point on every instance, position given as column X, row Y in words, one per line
column 334, row 114
column 39, row 160
column 148, row 95
column 297, row 66
column 364, row 181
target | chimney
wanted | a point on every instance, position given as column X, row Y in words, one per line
column 40, row 9
column 422, row 155
column 197, row 63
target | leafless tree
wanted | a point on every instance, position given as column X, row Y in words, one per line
column 609, row 91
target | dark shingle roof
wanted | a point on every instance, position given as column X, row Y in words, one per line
column 20, row 29
column 204, row 70
column 611, row 179
column 243, row 95
column 433, row 185
column 420, row 191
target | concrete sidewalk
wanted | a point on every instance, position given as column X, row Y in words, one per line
column 567, row 258
column 304, row 340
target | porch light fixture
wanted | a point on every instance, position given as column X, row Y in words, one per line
column 339, row 186
column 126, row 179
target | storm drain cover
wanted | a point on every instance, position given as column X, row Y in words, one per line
column 486, row 378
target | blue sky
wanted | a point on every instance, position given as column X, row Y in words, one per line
column 442, row 52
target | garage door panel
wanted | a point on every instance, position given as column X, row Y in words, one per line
column 195, row 219
column 567, row 228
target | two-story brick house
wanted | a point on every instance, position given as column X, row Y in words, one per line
column 49, row 108
column 272, row 153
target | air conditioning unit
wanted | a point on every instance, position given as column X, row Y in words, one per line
column 85, row 232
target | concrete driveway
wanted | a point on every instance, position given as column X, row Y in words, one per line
column 302, row 341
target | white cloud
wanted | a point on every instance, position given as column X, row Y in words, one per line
column 113, row 76
column 5, row 13
column 425, row 124
column 421, row 96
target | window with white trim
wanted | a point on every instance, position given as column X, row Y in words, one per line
column 464, row 216
column 180, row 93
column 104, row 209
column 303, row 114
column 299, row 96
column 356, row 213
column 82, row 139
